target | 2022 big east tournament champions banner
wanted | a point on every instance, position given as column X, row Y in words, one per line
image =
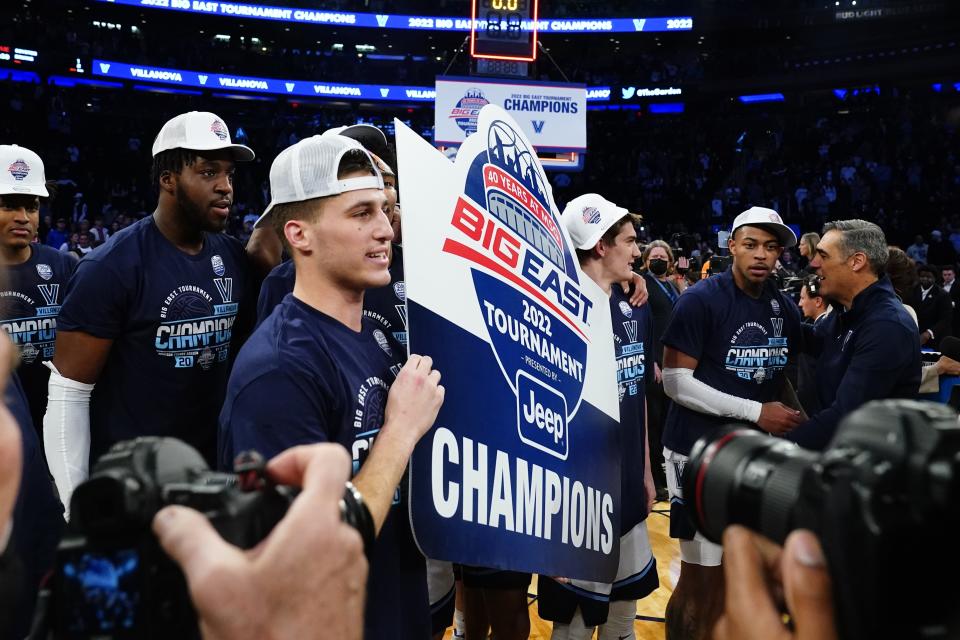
column 521, row 469
column 552, row 115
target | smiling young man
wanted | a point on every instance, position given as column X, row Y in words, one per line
column 317, row 370
column 725, row 349
column 36, row 274
column 605, row 238
column 145, row 331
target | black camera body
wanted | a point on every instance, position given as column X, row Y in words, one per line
column 882, row 498
column 112, row 579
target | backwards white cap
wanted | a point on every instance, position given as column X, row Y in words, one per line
column 308, row 169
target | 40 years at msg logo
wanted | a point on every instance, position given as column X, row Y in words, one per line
column 533, row 311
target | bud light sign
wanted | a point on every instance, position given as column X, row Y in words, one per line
column 521, row 469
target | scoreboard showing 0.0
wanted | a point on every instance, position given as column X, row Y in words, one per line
column 497, row 29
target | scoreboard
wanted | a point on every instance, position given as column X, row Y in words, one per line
column 504, row 29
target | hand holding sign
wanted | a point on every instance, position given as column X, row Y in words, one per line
column 415, row 398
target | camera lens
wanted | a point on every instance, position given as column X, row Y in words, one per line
column 741, row 476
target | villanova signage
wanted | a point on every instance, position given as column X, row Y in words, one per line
column 521, row 469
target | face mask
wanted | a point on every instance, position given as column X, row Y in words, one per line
column 658, row 267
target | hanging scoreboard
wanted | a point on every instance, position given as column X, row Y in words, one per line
column 504, row 29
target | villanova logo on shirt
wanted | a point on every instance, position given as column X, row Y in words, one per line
column 626, row 310
column 19, row 170
column 217, row 263
column 754, row 355
column 44, row 271
column 219, row 129
column 400, row 290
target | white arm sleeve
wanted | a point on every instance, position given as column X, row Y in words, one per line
column 66, row 433
column 693, row 394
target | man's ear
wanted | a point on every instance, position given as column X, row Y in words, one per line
column 298, row 235
column 859, row 262
column 600, row 248
column 168, row 181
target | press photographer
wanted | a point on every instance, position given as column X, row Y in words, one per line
column 133, row 538
column 887, row 481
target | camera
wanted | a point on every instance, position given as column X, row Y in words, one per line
column 882, row 498
column 112, row 578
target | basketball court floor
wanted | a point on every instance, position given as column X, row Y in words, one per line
column 649, row 623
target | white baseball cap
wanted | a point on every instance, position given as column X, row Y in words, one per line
column 308, row 170
column 588, row 217
column 199, row 131
column 22, row 172
column 766, row 219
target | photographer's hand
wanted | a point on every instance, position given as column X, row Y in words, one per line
column 760, row 575
column 307, row 579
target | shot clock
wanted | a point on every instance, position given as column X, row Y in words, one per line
column 504, row 29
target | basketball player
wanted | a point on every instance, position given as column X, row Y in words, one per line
column 725, row 349
column 384, row 305
column 606, row 242
column 143, row 346
column 36, row 274
column 318, row 370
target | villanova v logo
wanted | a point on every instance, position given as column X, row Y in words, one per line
column 225, row 287
column 538, row 125
column 402, row 312
column 777, row 326
column 50, row 292
column 630, row 326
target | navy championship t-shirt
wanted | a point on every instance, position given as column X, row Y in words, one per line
column 29, row 306
column 171, row 316
column 301, row 378
column 386, row 306
column 741, row 345
column 632, row 335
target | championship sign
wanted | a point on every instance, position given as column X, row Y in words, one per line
column 552, row 115
column 521, row 470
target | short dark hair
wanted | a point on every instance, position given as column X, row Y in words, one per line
column 925, row 268
column 948, row 267
column 610, row 234
column 353, row 161
column 172, row 160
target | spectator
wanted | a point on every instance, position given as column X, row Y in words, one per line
column 59, row 235
column 99, row 233
column 918, row 250
column 902, row 272
column 934, row 308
